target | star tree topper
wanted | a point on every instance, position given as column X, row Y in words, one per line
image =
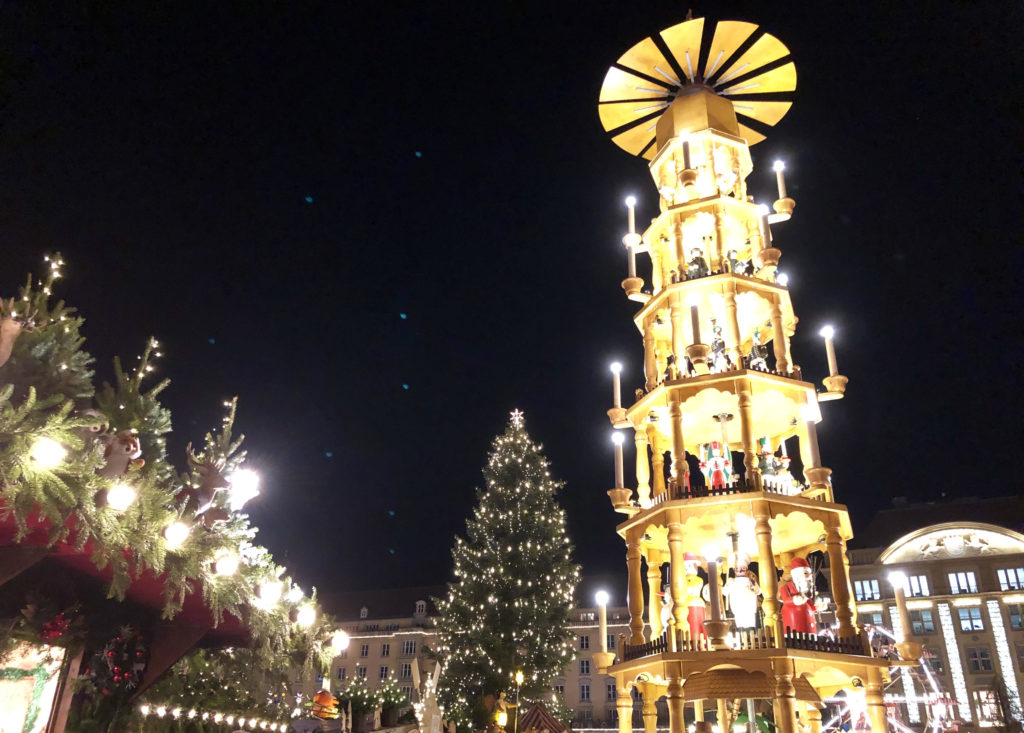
column 517, row 418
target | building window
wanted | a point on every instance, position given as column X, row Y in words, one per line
column 391, row 627
column 979, row 659
column 922, row 622
column 407, row 691
column 1020, row 656
column 587, row 715
column 611, row 642
column 584, row 641
column 341, row 673
column 610, row 691
column 970, row 619
column 364, row 650
column 361, row 671
column 385, row 650
column 587, row 616
column 866, row 590
column 987, row 704
column 371, row 627
column 344, row 654
column 560, row 690
column 935, row 662
column 406, row 671
column 383, row 672
column 584, row 692
column 1011, row 578
column 364, row 612
column 1016, row 612
column 584, row 666
column 918, row 585
column 408, row 648
column 874, row 618
column 962, row 583
column 421, row 608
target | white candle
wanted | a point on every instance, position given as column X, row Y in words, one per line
column 715, row 596
column 695, row 323
column 620, row 480
column 616, row 368
column 630, row 260
column 631, row 216
column 779, row 167
column 812, row 444
column 602, row 618
column 686, row 154
column 899, row 582
column 830, row 350
column 766, row 230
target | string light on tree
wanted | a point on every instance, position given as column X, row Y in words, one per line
column 120, row 497
column 176, row 534
column 306, row 616
column 48, row 453
column 244, row 485
column 226, row 564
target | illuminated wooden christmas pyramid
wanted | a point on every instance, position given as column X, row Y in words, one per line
column 716, row 320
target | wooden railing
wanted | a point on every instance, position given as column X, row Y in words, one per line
column 815, row 643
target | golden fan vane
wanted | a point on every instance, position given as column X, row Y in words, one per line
column 748, row 67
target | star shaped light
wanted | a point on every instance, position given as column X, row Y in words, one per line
column 517, row 418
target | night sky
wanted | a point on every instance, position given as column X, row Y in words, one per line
column 268, row 187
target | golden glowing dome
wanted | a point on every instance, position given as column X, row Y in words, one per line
column 741, row 76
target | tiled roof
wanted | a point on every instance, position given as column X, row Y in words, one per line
column 382, row 603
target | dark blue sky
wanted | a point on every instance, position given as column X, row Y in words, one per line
column 459, row 174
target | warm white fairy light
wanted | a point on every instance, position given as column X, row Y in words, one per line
column 306, row 616
column 226, row 564
column 47, row 453
column 244, row 485
column 270, row 592
column 175, row 534
column 339, row 641
column 1006, row 666
column 120, row 497
column 956, row 669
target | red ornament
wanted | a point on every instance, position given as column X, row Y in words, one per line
column 110, row 653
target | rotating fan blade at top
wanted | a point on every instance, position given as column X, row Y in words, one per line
column 747, row 67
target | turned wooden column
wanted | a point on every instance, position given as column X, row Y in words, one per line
column 675, row 317
column 650, row 710
column 675, row 412
column 643, row 468
column 766, row 570
column 653, row 589
column 753, row 470
column 779, row 337
column 876, row 703
column 676, row 706
column 635, row 592
column 624, row 706
column 813, row 715
column 785, row 703
column 657, row 461
column 650, row 357
column 677, row 573
column 836, row 547
column 732, row 323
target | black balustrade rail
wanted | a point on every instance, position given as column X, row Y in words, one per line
column 815, row 643
column 647, row 649
column 674, row 491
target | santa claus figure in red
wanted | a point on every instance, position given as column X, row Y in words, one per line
column 797, row 601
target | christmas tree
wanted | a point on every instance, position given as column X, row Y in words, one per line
column 508, row 608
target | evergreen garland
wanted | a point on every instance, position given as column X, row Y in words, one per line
column 508, row 607
column 47, row 398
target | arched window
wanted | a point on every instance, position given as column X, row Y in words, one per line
column 364, row 612
column 421, row 608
